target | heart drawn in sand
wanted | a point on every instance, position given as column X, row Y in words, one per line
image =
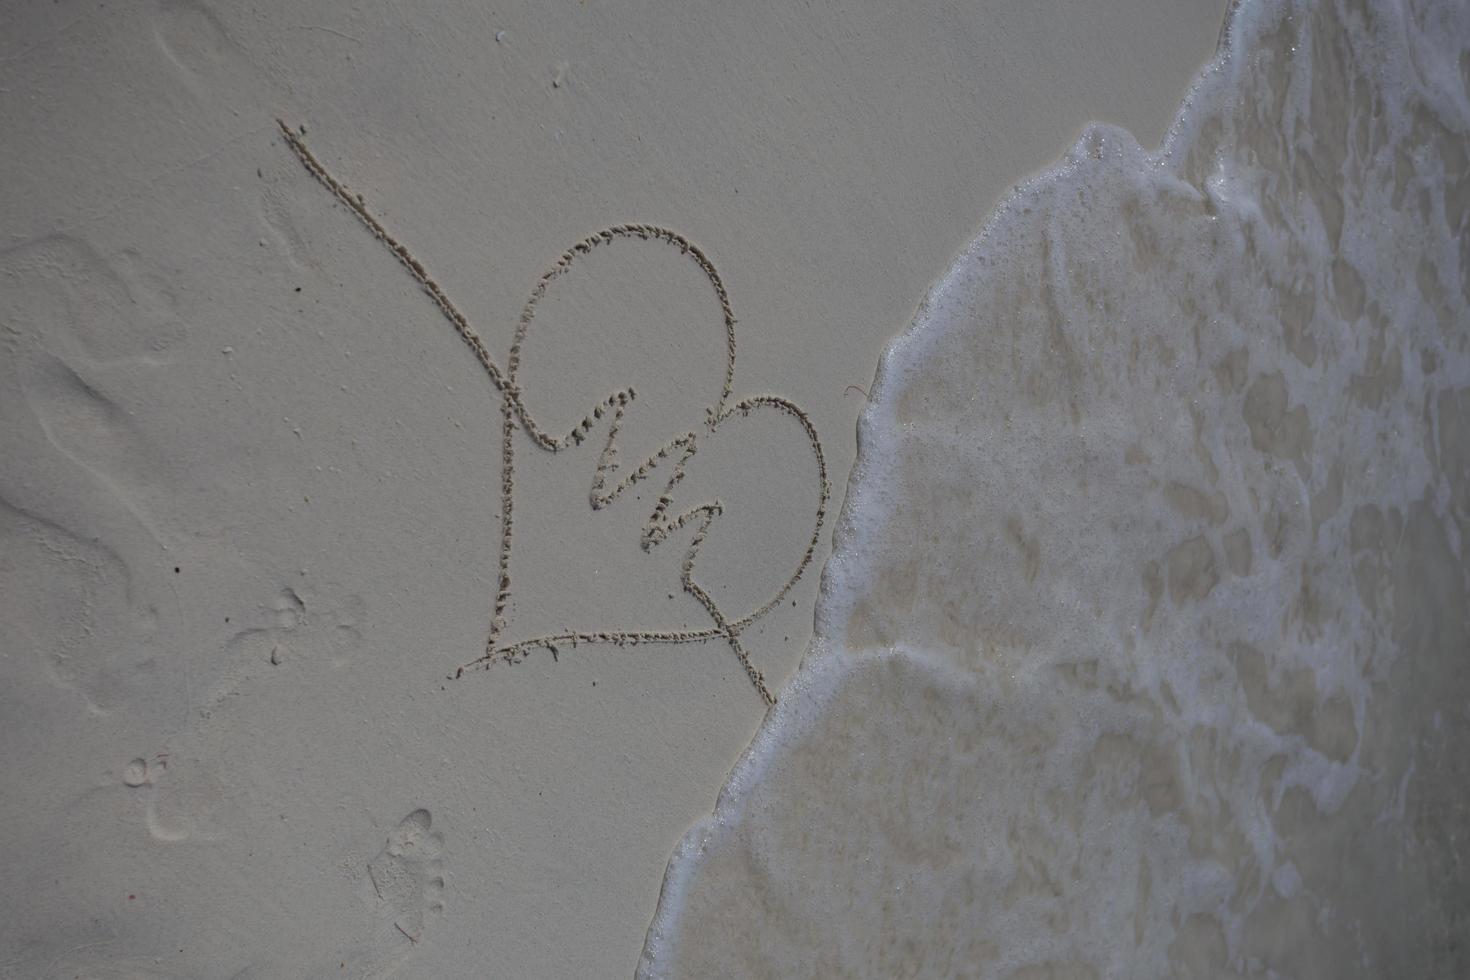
column 667, row 467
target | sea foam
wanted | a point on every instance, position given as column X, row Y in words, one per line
column 1145, row 647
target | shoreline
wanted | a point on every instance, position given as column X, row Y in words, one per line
column 255, row 508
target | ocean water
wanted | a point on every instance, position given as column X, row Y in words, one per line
column 1145, row 650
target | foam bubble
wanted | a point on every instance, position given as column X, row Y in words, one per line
column 1143, row 649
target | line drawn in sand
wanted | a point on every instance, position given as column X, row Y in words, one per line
column 674, row 455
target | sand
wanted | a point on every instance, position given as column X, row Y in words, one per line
column 254, row 489
column 1142, row 648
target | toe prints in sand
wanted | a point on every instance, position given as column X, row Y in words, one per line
column 700, row 487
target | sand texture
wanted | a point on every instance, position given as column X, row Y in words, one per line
column 1145, row 647
column 344, row 346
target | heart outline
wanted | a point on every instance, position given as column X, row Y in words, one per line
column 515, row 416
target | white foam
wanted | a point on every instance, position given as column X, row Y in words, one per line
column 1151, row 574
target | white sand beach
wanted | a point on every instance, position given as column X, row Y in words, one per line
column 425, row 431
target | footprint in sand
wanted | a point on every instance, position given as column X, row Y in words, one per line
column 83, row 336
column 206, row 59
column 407, row 887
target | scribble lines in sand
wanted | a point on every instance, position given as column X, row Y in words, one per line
column 674, row 456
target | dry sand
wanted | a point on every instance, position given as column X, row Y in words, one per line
column 252, row 483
